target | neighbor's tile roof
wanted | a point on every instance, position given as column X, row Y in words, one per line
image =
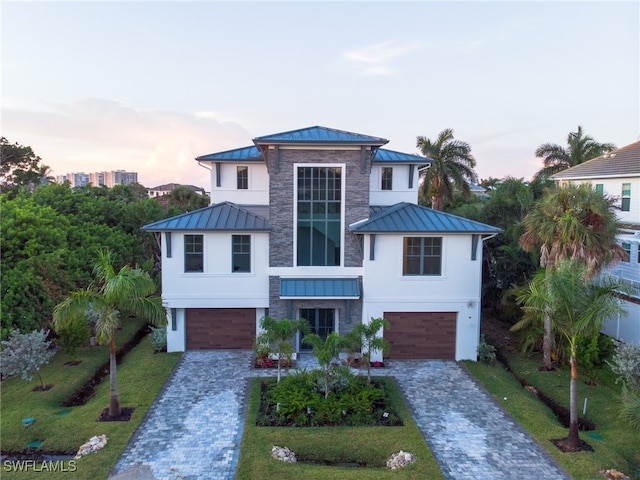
column 319, row 288
column 319, row 135
column 623, row 162
column 221, row 216
column 411, row 218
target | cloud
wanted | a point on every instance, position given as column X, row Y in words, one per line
column 374, row 59
column 98, row 134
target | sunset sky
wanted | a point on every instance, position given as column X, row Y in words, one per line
column 148, row 86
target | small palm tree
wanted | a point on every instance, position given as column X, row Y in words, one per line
column 576, row 307
column 580, row 148
column 452, row 167
column 574, row 221
column 128, row 290
column 277, row 336
column 325, row 351
column 365, row 338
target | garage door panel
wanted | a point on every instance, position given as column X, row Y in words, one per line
column 421, row 335
column 220, row 328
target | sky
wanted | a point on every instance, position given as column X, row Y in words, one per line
column 148, row 86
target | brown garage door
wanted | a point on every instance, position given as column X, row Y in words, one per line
column 220, row 328
column 416, row 335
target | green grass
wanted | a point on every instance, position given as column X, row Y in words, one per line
column 619, row 447
column 140, row 377
column 365, row 445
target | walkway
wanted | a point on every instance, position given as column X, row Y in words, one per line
column 193, row 430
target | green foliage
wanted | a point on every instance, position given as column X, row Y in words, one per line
column 594, row 350
column 159, row 339
column 73, row 335
column 276, row 338
column 18, row 167
column 23, row 354
column 486, row 351
column 626, row 364
column 365, row 337
column 630, row 407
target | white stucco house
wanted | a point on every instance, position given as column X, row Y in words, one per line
column 617, row 175
column 321, row 224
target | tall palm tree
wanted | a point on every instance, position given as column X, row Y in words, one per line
column 577, row 222
column 452, row 167
column 128, row 290
column 580, row 148
column 577, row 307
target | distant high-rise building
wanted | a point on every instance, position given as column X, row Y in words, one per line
column 75, row 179
column 97, row 179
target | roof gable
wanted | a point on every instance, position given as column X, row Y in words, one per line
column 221, row 216
column 319, row 135
column 411, row 218
column 623, row 162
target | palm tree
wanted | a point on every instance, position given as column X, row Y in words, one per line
column 577, row 222
column 128, row 290
column 452, row 167
column 325, row 351
column 365, row 337
column 577, row 307
column 580, row 149
column 277, row 336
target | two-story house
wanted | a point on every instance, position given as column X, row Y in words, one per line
column 617, row 175
column 321, row 224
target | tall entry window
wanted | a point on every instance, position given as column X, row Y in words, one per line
column 321, row 322
column 319, row 205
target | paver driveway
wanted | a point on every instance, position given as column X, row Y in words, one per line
column 194, row 428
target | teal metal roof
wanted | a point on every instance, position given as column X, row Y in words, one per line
column 391, row 156
column 411, row 218
column 222, row 216
column 244, row 154
column 319, row 288
column 319, row 135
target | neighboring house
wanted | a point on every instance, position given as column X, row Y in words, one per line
column 321, row 224
column 617, row 174
column 162, row 190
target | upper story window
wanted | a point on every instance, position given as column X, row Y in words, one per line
column 626, row 197
column 243, row 177
column 319, row 216
column 241, row 253
column 599, row 187
column 193, row 253
column 387, row 178
column 422, row 256
column 627, row 250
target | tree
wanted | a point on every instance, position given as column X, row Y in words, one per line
column 577, row 222
column 183, row 199
column 452, row 167
column 277, row 336
column 365, row 338
column 576, row 307
column 23, row 354
column 128, row 290
column 325, row 351
column 18, row 166
column 580, row 148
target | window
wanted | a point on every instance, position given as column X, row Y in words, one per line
column 243, row 178
column 193, row 253
column 626, row 197
column 387, row 178
column 599, row 188
column 319, row 223
column 241, row 253
column 321, row 322
column 627, row 249
column 422, row 256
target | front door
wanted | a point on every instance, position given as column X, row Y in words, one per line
column 321, row 322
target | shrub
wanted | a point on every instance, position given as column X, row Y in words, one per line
column 159, row 339
column 73, row 335
column 630, row 409
column 486, row 351
column 24, row 353
column 594, row 350
column 626, row 363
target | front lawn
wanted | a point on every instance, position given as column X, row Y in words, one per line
column 141, row 375
column 616, row 445
column 339, row 446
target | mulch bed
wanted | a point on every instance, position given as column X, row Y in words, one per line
column 563, row 445
column 41, row 388
column 125, row 415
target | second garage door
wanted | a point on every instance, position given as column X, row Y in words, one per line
column 421, row 335
column 220, row 328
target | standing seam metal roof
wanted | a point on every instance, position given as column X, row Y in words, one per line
column 319, row 134
column 222, row 216
column 411, row 218
column 319, row 287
